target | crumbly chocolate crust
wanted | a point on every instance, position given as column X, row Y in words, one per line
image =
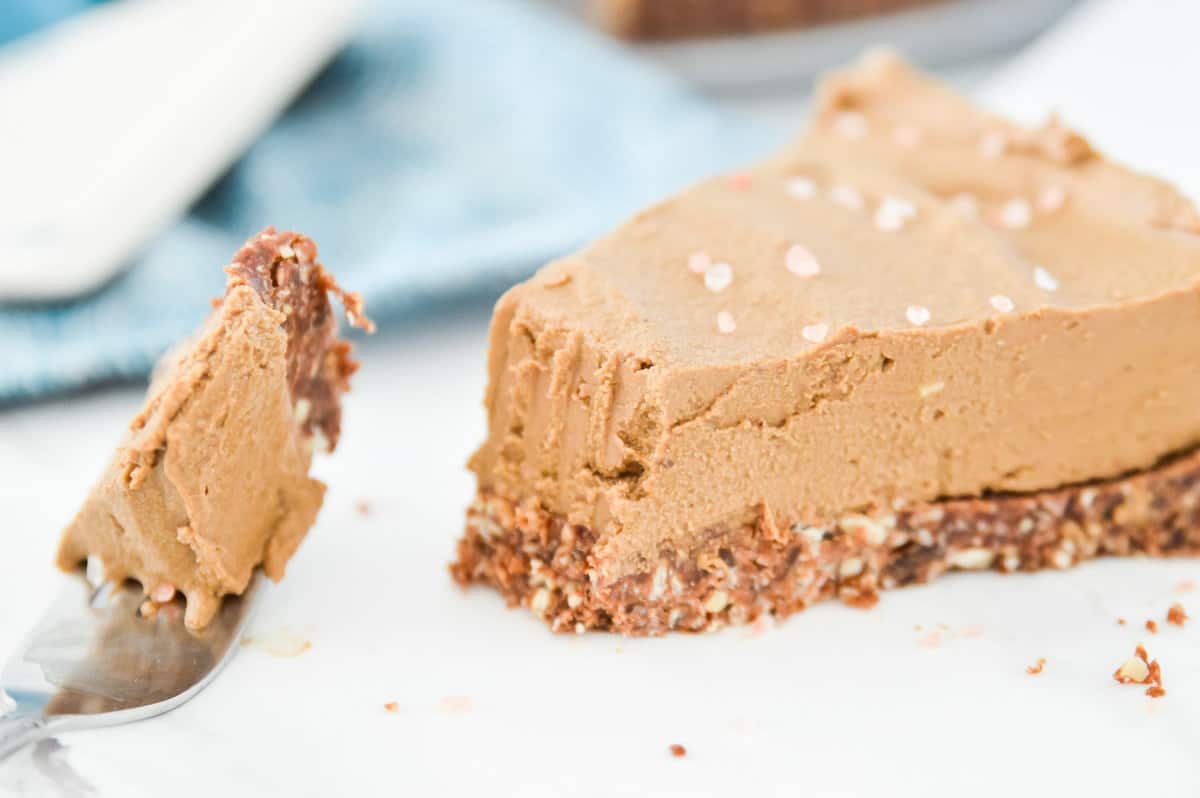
column 537, row 560
column 282, row 269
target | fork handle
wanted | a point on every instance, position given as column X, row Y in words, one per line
column 18, row 731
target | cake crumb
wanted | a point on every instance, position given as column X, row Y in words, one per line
column 1120, row 621
column 1151, row 626
column 281, row 643
column 1176, row 614
column 362, row 507
column 1155, row 690
column 392, row 706
column 760, row 626
column 1186, row 586
column 1136, row 669
column 1140, row 669
column 455, row 705
column 1036, row 668
column 678, row 750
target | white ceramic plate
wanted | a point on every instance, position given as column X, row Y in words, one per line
column 115, row 121
column 939, row 35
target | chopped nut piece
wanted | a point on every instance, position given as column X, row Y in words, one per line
column 1016, row 213
column 801, row 262
column 302, row 410
column 1140, row 669
column 917, row 315
column 718, row 277
column 540, row 601
column 972, row 559
column 851, row 566
column 1134, row 669
column 658, row 585
column 812, row 534
column 1036, row 668
column 800, row 187
column 870, row 530
column 815, row 333
column 716, row 601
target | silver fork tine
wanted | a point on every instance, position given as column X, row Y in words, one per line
column 93, row 661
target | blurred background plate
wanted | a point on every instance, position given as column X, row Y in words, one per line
column 940, row 35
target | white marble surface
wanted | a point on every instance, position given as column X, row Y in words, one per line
column 834, row 702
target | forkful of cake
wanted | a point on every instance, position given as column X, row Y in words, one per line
column 209, row 488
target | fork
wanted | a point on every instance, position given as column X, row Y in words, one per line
column 93, row 660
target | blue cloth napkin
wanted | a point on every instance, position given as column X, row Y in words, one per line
column 442, row 151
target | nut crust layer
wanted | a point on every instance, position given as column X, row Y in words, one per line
column 537, row 560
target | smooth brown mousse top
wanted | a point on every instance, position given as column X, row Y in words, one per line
column 916, row 300
column 212, row 478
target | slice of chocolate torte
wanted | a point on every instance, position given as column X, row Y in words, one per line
column 920, row 339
